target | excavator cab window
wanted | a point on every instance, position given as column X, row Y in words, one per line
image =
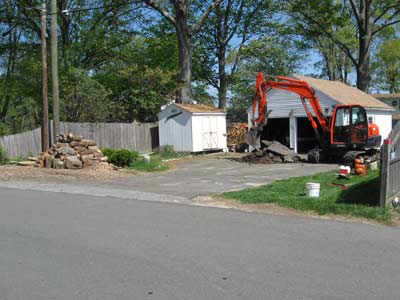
column 359, row 125
column 341, row 129
column 350, row 126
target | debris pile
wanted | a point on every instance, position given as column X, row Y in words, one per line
column 71, row 152
column 235, row 136
column 271, row 152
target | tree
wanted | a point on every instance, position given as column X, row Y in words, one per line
column 83, row 98
column 369, row 18
column 273, row 55
column 387, row 66
column 177, row 13
column 142, row 77
column 229, row 27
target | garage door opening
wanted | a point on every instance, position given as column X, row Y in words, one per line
column 277, row 130
column 306, row 139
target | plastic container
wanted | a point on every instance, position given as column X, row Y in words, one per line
column 344, row 170
column 312, row 189
column 373, row 165
column 146, row 158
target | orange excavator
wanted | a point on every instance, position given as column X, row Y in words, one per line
column 345, row 135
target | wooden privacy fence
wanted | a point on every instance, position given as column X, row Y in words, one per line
column 22, row 144
column 142, row 137
column 390, row 167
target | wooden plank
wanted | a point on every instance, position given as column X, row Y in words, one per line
column 384, row 174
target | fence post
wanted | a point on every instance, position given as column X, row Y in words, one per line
column 384, row 171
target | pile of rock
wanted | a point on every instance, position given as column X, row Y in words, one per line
column 71, row 152
column 270, row 153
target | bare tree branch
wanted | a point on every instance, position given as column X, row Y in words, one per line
column 386, row 10
column 162, row 11
column 356, row 11
column 384, row 26
column 203, row 17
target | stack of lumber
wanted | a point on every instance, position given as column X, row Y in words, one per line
column 71, row 152
column 235, row 136
column 270, row 153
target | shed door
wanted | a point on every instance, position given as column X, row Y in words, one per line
column 210, row 133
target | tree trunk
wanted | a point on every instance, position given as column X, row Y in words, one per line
column 12, row 43
column 363, row 75
column 222, row 92
column 185, row 53
column 364, row 45
column 185, row 63
column 223, row 82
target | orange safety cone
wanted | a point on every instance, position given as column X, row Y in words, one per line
column 359, row 167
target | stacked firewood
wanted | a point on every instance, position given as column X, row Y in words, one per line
column 270, row 153
column 235, row 136
column 71, row 152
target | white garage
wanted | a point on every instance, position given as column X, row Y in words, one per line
column 288, row 121
column 192, row 127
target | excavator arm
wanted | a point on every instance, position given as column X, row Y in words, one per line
column 301, row 88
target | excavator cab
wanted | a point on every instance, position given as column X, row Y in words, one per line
column 349, row 126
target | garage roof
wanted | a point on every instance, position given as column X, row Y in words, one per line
column 387, row 96
column 343, row 93
column 199, row 108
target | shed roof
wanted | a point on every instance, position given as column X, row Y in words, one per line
column 199, row 108
column 343, row 93
column 387, row 96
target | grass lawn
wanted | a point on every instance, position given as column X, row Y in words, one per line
column 155, row 164
column 360, row 199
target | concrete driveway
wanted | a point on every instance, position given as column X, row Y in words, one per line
column 190, row 179
column 215, row 175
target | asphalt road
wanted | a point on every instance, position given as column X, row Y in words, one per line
column 64, row 246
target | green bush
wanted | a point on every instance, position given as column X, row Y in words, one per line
column 108, row 152
column 4, row 130
column 3, row 157
column 167, row 151
column 123, row 157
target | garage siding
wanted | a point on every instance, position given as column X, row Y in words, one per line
column 383, row 120
column 282, row 103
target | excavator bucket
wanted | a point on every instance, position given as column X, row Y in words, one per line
column 251, row 137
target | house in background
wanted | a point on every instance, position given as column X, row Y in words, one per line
column 392, row 100
column 192, row 127
column 288, row 122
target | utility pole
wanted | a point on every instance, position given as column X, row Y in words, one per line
column 54, row 70
column 45, row 106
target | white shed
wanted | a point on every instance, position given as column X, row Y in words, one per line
column 289, row 124
column 192, row 127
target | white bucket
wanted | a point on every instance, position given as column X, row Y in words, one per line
column 146, row 158
column 373, row 165
column 312, row 189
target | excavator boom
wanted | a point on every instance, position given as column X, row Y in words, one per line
column 301, row 88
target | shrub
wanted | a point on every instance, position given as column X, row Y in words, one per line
column 123, row 157
column 3, row 157
column 167, row 151
column 108, row 152
column 4, row 130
